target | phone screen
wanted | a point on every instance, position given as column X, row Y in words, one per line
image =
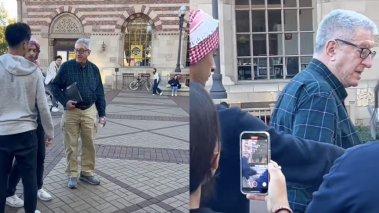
column 255, row 156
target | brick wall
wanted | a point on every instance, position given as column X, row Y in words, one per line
column 106, row 15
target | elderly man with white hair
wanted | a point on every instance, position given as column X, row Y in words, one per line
column 80, row 118
column 312, row 105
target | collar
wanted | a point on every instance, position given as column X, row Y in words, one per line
column 80, row 66
column 329, row 77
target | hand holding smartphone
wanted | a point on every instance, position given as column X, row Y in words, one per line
column 254, row 158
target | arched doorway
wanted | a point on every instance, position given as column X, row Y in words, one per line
column 137, row 51
column 64, row 30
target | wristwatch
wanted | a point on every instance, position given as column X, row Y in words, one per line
column 280, row 208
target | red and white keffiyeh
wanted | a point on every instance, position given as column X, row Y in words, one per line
column 38, row 47
column 203, row 35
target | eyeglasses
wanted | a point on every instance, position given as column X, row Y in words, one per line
column 80, row 51
column 365, row 52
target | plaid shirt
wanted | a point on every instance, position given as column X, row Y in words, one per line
column 88, row 80
column 312, row 107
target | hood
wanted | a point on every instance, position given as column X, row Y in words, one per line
column 17, row 65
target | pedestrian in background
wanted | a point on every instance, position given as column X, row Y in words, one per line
column 174, row 83
column 51, row 73
column 157, row 80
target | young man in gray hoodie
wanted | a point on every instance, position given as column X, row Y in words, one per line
column 22, row 88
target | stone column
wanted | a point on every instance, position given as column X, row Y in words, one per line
column 227, row 58
column 19, row 11
column 352, row 107
column 51, row 50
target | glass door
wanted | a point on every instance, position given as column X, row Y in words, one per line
column 65, row 54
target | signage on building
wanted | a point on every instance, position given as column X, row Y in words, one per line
column 71, row 55
column 136, row 55
column 288, row 36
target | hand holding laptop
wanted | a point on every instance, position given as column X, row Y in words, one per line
column 73, row 94
column 70, row 105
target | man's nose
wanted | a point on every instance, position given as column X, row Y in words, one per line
column 367, row 62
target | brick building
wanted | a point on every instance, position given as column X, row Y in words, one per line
column 137, row 35
column 264, row 43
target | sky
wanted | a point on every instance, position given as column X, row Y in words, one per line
column 11, row 6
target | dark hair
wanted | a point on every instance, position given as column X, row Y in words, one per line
column 225, row 104
column 58, row 57
column 204, row 135
column 155, row 69
column 17, row 33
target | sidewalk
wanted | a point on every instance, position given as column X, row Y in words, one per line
column 142, row 159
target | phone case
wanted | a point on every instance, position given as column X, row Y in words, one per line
column 268, row 157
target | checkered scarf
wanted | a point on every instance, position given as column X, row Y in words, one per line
column 203, row 35
column 38, row 47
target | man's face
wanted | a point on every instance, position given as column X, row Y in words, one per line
column 201, row 71
column 81, row 53
column 32, row 52
column 58, row 62
column 347, row 61
column 247, row 155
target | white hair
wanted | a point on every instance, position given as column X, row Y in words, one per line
column 83, row 41
column 341, row 24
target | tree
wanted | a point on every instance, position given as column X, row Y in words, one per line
column 3, row 15
column 4, row 20
column 12, row 21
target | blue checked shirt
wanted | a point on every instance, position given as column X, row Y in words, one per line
column 88, row 80
column 312, row 107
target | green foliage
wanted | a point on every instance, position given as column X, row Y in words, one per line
column 4, row 21
column 364, row 133
column 3, row 15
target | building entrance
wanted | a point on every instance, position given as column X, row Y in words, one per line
column 65, row 48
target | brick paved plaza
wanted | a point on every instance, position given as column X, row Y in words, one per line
column 142, row 159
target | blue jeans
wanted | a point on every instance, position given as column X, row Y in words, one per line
column 155, row 87
column 174, row 89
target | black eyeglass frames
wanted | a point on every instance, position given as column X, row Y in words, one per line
column 365, row 52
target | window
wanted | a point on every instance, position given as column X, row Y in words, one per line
column 274, row 38
column 137, row 45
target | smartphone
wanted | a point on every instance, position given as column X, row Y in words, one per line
column 254, row 158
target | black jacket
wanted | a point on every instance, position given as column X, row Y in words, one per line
column 302, row 161
column 173, row 82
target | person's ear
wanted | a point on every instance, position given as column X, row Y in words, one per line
column 215, row 158
column 331, row 49
column 89, row 52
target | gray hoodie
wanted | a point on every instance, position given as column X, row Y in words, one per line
column 21, row 89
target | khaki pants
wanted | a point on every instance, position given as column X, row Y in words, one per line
column 81, row 123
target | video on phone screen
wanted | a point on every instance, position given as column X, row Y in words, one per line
column 254, row 163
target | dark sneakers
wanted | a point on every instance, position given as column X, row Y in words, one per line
column 72, row 183
column 89, row 179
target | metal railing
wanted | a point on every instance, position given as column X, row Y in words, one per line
column 265, row 113
column 262, row 113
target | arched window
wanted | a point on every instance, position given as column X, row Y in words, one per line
column 137, row 45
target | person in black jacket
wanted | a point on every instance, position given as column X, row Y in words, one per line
column 303, row 161
column 247, row 172
column 300, row 159
column 174, row 83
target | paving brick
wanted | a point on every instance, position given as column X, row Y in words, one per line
column 142, row 160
